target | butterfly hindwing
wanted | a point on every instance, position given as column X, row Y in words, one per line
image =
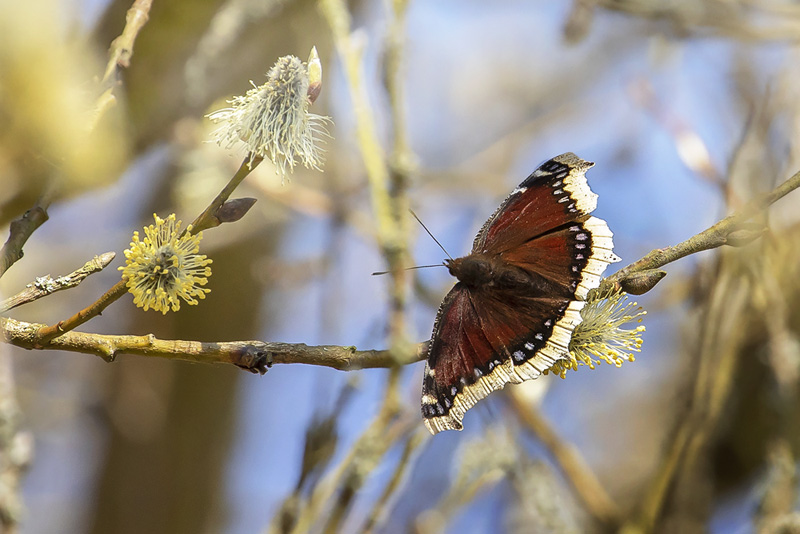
column 481, row 348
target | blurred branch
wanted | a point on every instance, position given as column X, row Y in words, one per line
column 340, row 486
column 482, row 462
column 45, row 285
column 691, row 148
column 598, row 503
column 780, row 490
column 388, row 205
column 721, row 337
column 19, row 232
column 379, row 510
column 121, row 49
column 732, row 230
column 315, row 203
column 368, row 451
column 250, row 355
column 120, row 53
column 745, row 19
column 366, row 454
column 320, row 445
column 401, row 164
column 16, row 450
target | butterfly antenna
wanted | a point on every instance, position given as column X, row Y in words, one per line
column 430, row 234
column 410, row 268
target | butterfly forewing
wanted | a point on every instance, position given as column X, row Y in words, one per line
column 553, row 195
column 543, row 252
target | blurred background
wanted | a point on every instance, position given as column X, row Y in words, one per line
column 688, row 109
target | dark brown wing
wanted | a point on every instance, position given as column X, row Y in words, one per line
column 478, row 347
column 571, row 258
column 487, row 336
column 554, row 194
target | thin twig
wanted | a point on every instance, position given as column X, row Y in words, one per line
column 380, row 509
column 119, row 56
column 387, row 205
column 364, row 456
column 19, row 232
column 46, row 333
column 46, row 285
column 208, row 219
column 715, row 236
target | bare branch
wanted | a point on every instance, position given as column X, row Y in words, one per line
column 728, row 231
column 46, row 285
column 47, row 333
column 254, row 356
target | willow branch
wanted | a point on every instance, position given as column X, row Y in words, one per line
column 251, row 355
column 46, row 285
column 731, row 230
column 208, row 219
column 19, row 232
column 210, row 216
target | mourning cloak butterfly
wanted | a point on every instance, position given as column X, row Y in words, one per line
column 511, row 315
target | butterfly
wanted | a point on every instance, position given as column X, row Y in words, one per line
column 519, row 294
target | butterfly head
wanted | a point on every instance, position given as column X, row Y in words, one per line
column 473, row 270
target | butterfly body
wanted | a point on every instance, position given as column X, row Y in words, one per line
column 478, row 271
column 519, row 292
